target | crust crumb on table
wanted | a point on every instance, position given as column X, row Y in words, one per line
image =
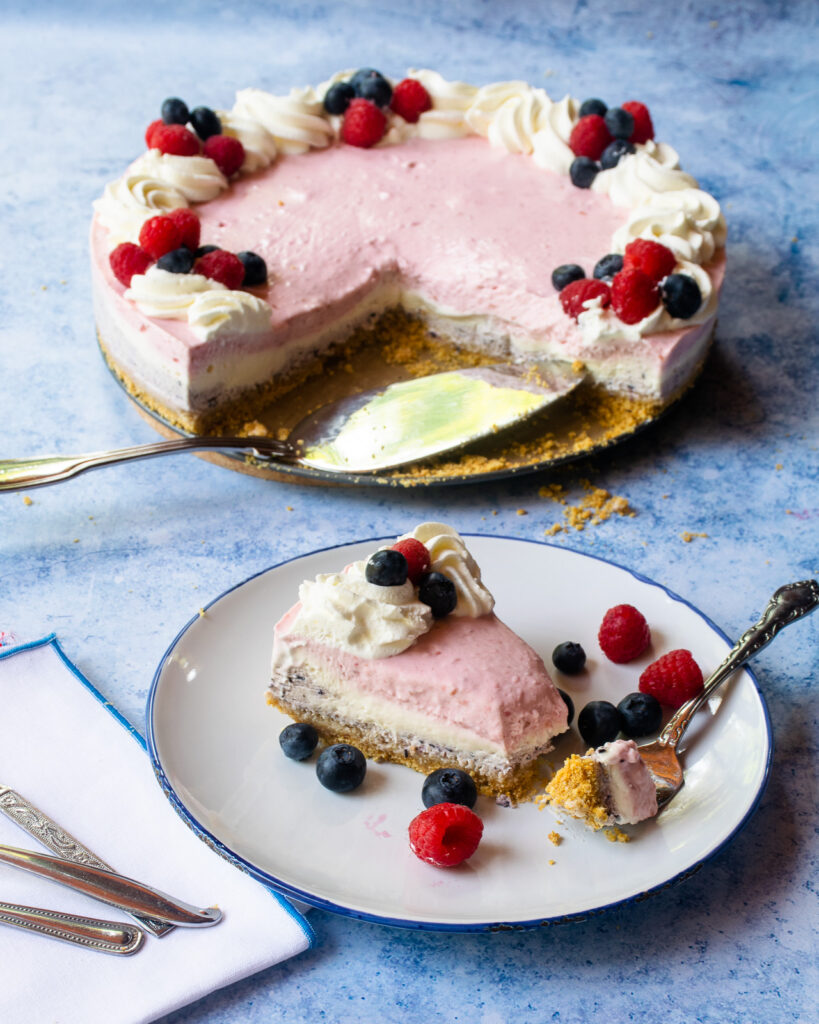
column 597, row 506
column 27, row 500
column 688, row 536
column 555, row 838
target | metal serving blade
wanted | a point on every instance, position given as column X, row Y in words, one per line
column 55, row 838
column 427, row 416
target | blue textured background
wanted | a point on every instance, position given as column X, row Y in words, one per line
column 116, row 561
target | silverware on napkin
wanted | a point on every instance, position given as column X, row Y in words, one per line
column 101, row 936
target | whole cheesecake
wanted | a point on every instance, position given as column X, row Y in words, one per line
column 508, row 223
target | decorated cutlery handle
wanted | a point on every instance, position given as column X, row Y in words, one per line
column 102, row 936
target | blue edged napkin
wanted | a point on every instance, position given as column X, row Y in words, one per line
column 64, row 748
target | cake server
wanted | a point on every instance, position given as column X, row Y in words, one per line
column 108, row 887
column 375, row 430
column 55, row 838
column 88, row 932
column 789, row 603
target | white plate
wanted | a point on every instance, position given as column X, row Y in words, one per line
column 214, row 744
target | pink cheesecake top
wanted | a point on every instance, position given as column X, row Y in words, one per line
column 472, row 673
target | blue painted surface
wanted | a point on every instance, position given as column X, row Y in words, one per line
column 116, row 561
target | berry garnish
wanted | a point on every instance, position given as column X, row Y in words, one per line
column 438, row 591
column 298, row 740
column 188, row 224
column 225, row 267
column 175, row 111
column 574, row 296
column 599, row 722
column 445, row 835
column 641, row 714
column 654, row 259
column 338, row 97
column 619, row 122
column 567, row 700
column 623, row 634
column 175, row 139
column 128, row 259
column 681, row 296
column 589, row 137
column 565, row 274
column 417, row 556
column 205, row 122
column 449, row 786
column 226, row 152
column 633, row 295
column 341, row 767
column 583, row 171
column 369, row 84
column 673, row 679
column 149, row 132
column 364, row 124
column 255, row 269
column 643, row 128
column 203, row 250
column 159, row 235
column 607, row 266
column 569, row 658
column 410, row 99
column 592, row 106
column 386, row 568
column 177, row 261
column 614, row 153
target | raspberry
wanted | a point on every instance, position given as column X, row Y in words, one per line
column 623, row 634
column 128, row 259
column 188, row 225
column 589, row 137
column 175, row 139
column 364, row 124
column 159, row 235
column 410, row 99
column 655, row 260
column 574, row 295
column 149, row 132
column 633, row 296
column 417, row 556
column 222, row 266
column 445, row 834
column 643, row 128
column 673, row 679
column 226, row 152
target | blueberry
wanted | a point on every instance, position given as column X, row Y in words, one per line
column 255, row 269
column 205, row 122
column 569, row 658
column 614, row 153
column 619, row 122
column 298, row 740
column 592, row 106
column 567, row 700
column 387, row 568
column 177, row 261
column 583, row 171
column 203, row 250
column 641, row 714
column 338, row 97
column 438, row 591
column 449, row 786
column 607, row 266
column 681, row 295
column 369, row 84
column 565, row 274
column 341, row 767
column 175, row 111
column 599, row 722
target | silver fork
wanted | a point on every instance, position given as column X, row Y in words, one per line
column 789, row 603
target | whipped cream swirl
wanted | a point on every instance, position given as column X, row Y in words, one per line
column 197, row 178
column 449, row 555
column 297, row 122
column 129, row 201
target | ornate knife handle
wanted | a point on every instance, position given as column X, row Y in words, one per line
column 789, row 603
column 103, row 936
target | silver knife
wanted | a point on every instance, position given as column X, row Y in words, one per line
column 108, row 887
column 55, row 838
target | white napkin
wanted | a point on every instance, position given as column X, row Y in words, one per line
column 63, row 750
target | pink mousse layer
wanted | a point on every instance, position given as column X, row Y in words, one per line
column 475, row 674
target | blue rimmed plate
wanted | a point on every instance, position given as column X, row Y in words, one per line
column 214, row 745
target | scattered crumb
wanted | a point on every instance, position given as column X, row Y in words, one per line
column 649, row 34
column 555, row 838
column 27, row 500
column 688, row 536
column 202, row 613
column 779, row 466
column 288, row 508
column 713, row 24
column 44, row 287
column 522, row 512
column 76, row 540
column 616, row 835
column 595, row 507
column 494, row 511
column 551, row 862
